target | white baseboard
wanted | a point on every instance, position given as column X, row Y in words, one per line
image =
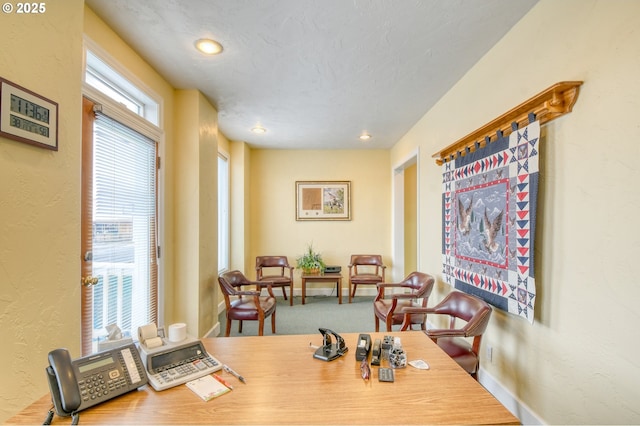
column 215, row 330
column 510, row 401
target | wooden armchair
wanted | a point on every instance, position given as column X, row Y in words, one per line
column 365, row 269
column 244, row 305
column 458, row 305
column 390, row 308
column 276, row 269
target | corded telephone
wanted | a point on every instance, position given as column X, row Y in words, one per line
column 84, row 382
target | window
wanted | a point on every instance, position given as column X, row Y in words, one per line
column 223, row 213
column 120, row 231
column 108, row 81
column 119, row 204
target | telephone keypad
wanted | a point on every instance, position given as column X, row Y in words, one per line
column 95, row 386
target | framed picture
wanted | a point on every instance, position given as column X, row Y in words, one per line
column 27, row 117
column 323, row 200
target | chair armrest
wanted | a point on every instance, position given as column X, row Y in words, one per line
column 403, row 296
column 390, row 285
column 406, row 323
column 383, row 286
column 445, row 332
column 261, row 284
column 246, row 293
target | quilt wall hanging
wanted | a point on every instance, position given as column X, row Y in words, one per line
column 489, row 220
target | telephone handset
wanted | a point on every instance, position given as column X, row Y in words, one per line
column 82, row 383
column 65, row 392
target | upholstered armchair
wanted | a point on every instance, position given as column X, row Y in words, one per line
column 277, row 270
column 365, row 269
column 389, row 306
column 247, row 305
column 474, row 312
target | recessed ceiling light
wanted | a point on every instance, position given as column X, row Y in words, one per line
column 208, row 46
column 365, row 137
column 259, row 130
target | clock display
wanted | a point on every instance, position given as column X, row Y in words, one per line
column 29, row 126
column 29, row 109
column 27, row 117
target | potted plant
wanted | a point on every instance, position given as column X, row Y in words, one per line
column 311, row 262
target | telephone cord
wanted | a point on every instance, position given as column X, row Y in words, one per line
column 49, row 418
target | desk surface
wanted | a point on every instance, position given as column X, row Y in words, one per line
column 286, row 385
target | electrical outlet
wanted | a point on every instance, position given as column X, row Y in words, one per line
column 490, row 353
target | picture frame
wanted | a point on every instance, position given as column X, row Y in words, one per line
column 323, row 200
column 27, row 117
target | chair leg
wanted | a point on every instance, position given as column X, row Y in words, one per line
column 240, row 326
column 228, row 327
column 284, row 293
column 273, row 323
column 389, row 322
column 354, row 290
column 377, row 323
column 261, row 327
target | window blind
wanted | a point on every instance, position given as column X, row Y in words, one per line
column 124, row 247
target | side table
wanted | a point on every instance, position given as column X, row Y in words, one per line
column 335, row 278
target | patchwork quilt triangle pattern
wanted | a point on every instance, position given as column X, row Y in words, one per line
column 489, row 200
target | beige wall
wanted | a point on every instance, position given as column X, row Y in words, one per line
column 240, row 209
column 196, row 247
column 410, row 219
column 40, row 204
column 274, row 229
column 576, row 363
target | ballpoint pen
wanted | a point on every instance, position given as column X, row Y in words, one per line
column 231, row 371
column 223, row 381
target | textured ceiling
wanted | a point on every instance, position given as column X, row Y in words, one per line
column 315, row 73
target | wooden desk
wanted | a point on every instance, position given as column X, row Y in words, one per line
column 286, row 385
column 334, row 278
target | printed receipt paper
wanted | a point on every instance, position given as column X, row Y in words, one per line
column 207, row 387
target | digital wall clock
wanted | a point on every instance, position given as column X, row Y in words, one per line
column 27, row 117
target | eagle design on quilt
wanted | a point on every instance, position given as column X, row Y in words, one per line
column 464, row 217
column 491, row 231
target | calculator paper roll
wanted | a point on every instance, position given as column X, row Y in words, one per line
column 154, row 342
column 177, row 332
column 146, row 332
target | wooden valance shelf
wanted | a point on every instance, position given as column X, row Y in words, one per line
column 552, row 103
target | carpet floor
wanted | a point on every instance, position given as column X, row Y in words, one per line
column 318, row 311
